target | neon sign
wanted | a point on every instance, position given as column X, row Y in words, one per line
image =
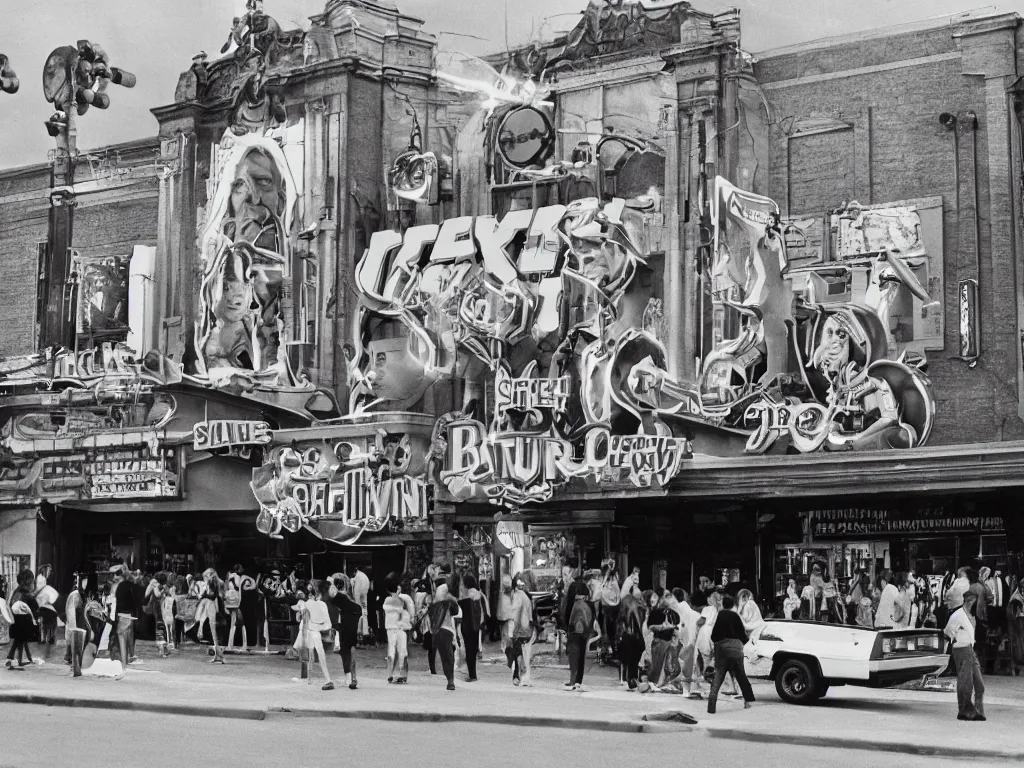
column 211, row 435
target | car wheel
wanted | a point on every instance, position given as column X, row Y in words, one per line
column 797, row 683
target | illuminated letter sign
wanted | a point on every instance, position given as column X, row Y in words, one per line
column 210, row 435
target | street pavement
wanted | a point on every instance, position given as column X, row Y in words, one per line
column 264, row 688
column 38, row 736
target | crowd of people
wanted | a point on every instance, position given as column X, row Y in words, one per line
column 662, row 640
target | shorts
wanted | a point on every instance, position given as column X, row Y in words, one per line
column 125, row 623
column 398, row 644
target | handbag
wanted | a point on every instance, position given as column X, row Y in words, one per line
column 151, row 606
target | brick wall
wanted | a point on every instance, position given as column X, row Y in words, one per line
column 111, row 218
column 900, row 152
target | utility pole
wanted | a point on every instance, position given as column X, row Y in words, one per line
column 74, row 78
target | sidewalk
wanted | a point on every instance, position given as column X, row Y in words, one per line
column 260, row 687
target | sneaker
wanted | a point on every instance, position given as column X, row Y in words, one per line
column 9, row 664
column 401, row 681
column 451, row 686
column 471, row 679
column 515, row 681
column 353, row 685
column 569, row 685
column 580, row 689
column 391, row 679
column 746, row 705
column 328, row 686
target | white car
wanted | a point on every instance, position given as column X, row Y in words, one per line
column 805, row 658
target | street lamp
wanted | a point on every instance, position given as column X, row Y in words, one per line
column 74, row 78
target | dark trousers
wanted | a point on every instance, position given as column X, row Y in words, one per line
column 631, row 650
column 970, row 687
column 444, row 643
column 609, row 618
column 729, row 658
column 981, row 642
column 428, row 646
column 577, row 647
column 21, row 647
column 471, row 641
column 348, row 659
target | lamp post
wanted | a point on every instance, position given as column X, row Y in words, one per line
column 74, row 78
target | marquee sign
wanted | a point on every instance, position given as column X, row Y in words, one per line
column 344, row 488
column 100, row 474
column 212, row 435
column 513, row 468
column 868, row 522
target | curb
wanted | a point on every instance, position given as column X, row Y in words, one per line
column 260, row 713
column 234, row 713
column 968, row 754
column 646, row 726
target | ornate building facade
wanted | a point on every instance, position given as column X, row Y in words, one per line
column 632, row 294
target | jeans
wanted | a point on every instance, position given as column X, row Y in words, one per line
column 729, row 658
column 471, row 642
column 577, row 647
column 969, row 683
column 444, row 643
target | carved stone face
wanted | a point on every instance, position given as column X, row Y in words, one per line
column 257, row 202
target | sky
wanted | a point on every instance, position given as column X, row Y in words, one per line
column 156, row 39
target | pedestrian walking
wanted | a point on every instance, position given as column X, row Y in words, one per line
column 888, row 610
column 970, row 687
column 6, row 617
column 472, row 608
column 314, row 622
column 506, row 620
column 210, row 607
column 690, row 623
column 630, row 636
column 23, row 608
column 523, row 633
column 398, row 612
column 980, row 613
column 74, row 619
column 611, row 596
column 349, row 615
column 729, row 636
column 156, row 591
column 124, row 615
column 46, row 598
column 579, row 628
column 233, row 605
column 442, row 614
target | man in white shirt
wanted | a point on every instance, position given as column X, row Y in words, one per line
column 885, row 615
column 969, row 682
column 956, row 591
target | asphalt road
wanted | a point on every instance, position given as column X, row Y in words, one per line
column 32, row 736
